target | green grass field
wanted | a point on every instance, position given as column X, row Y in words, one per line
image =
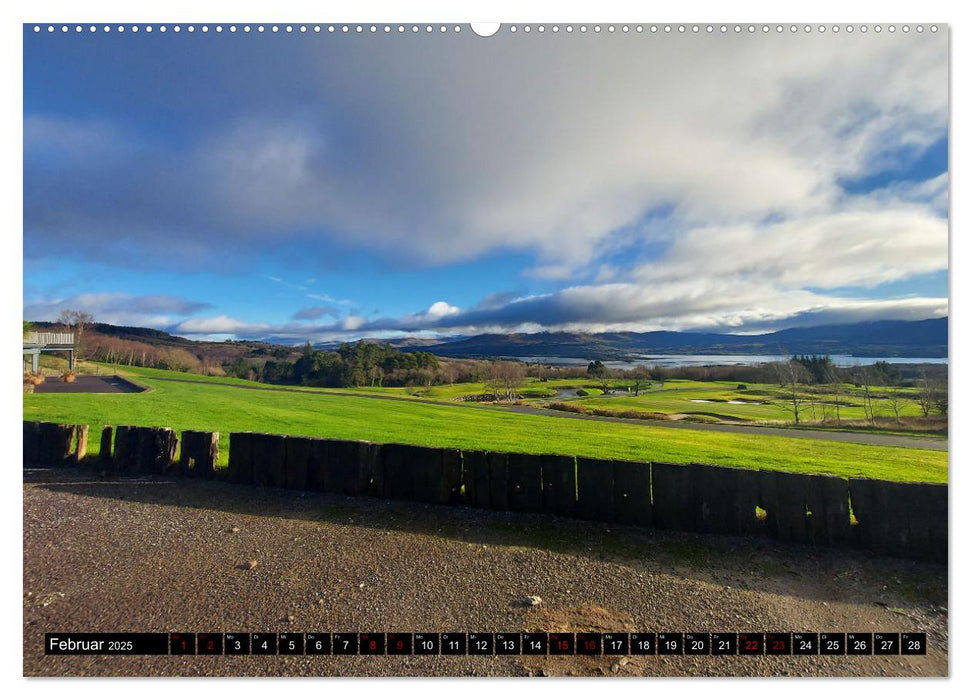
column 763, row 402
column 217, row 405
column 757, row 402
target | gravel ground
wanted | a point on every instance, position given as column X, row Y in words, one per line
column 169, row 555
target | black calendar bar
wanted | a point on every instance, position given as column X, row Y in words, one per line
column 487, row 643
column 105, row 644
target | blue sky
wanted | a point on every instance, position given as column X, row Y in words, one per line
column 325, row 186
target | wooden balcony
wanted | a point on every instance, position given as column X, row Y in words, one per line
column 53, row 341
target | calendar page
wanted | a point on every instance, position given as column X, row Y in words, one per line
column 583, row 349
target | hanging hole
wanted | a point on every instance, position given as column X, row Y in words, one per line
column 485, row 29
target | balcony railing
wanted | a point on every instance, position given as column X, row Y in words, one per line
column 42, row 338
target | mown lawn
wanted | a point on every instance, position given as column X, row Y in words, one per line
column 757, row 402
column 765, row 402
column 218, row 405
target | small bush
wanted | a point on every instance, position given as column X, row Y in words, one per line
column 568, row 407
column 583, row 392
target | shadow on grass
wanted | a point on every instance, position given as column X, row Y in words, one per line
column 745, row 563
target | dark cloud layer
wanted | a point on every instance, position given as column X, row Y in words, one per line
column 155, row 310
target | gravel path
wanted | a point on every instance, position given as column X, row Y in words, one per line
column 165, row 555
column 862, row 438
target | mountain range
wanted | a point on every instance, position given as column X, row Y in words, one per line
column 926, row 338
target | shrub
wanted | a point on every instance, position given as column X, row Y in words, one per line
column 569, row 407
column 583, row 392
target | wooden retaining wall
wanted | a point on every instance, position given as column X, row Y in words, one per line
column 198, row 453
column 904, row 519
column 53, row 444
column 143, row 451
column 899, row 519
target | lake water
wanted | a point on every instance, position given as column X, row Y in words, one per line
column 700, row 360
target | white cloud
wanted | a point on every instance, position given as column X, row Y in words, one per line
column 851, row 247
column 219, row 325
column 329, row 299
column 351, row 323
column 441, row 309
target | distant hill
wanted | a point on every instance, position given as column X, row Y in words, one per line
column 926, row 338
column 870, row 339
column 149, row 347
column 403, row 344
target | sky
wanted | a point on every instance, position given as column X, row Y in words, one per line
column 326, row 186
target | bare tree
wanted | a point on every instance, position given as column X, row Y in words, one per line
column 540, row 372
column 939, row 396
column 862, row 378
column 895, row 400
column 426, row 377
column 450, row 372
column 925, row 394
column 640, row 374
column 837, row 389
column 76, row 321
column 513, row 378
column 506, row 379
column 788, row 372
column 494, row 379
column 811, row 394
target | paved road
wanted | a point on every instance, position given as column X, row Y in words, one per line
column 881, row 439
column 920, row 443
column 88, row 384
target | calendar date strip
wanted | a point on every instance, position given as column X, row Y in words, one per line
column 486, row 643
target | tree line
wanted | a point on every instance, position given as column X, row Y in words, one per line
column 358, row 364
